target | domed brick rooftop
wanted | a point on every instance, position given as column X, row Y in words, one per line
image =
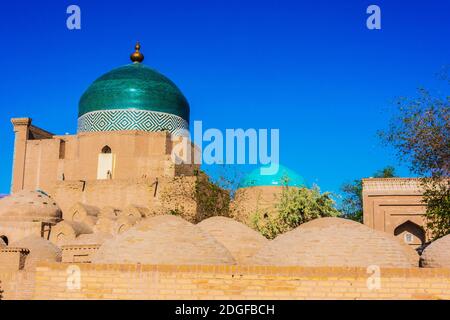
column 133, row 97
column 437, row 254
column 29, row 206
column 240, row 240
column 67, row 231
column 336, row 242
column 95, row 238
column 41, row 250
column 283, row 177
column 164, row 240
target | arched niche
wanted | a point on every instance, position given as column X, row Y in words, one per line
column 410, row 233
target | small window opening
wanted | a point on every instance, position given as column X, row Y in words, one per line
column 106, row 149
column 62, row 149
column 408, row 238
column 5, row 239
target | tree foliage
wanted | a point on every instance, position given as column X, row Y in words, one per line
column 420, row 133
column 352, row 202
column 437, row 198
column 208, row 197
column 212, row 199
column 295, row 207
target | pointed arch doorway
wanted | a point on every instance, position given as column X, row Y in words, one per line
column 105, row 168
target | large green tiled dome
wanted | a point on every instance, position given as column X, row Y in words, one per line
column 133, row 97
column 283, row 177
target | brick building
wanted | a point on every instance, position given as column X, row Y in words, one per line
column 107, row 214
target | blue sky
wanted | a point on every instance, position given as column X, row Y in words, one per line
column 310, row 68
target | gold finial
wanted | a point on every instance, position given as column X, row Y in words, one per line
column 137, row 56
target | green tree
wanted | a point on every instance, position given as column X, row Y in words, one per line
column 437, row 198
column 295, row 206
column 352, row 202
column 420, row 133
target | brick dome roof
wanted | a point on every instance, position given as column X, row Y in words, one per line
column 240, row 240
column 29, row 206
column 95, row 238
column 40, row 250
column 437, row 254
column 336, row 242
column 164, row 240
column 66, row 231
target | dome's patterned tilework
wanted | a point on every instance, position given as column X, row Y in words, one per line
column 164, row 240
column 437, row 254
column 240, row 240
column 134, row 86
column 129, row 119
column 336, row 242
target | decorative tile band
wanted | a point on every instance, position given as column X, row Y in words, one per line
column 392, row 184
column 131, row 119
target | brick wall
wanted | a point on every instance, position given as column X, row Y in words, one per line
column 17, row 285
column 119, row 194
column 12, row 259
column 236, row 282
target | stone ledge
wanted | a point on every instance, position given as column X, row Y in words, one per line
column 233, row 270
column 399, row 185
column 80, row 247
column 13, row 249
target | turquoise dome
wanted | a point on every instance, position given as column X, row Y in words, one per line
column 283, row 177
column 133, row 97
